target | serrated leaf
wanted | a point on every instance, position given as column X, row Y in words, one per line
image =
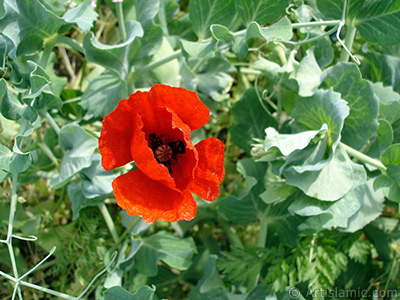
column 118, row 293
column 28, row 23
column 260, row 11
column 249, row 119
column 116, row 58
column 362, row 122
column 103, row 94
column 175, row 252
column 82, row 15
column 79, row 147
column 359, row 251
column 204, row 13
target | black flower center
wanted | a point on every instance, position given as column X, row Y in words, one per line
column 166, row 150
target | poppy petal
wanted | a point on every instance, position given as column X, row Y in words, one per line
column 115, row 137
column 185, row 103
column 142, row 196
column 210, row 169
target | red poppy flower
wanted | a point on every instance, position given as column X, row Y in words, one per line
column 153, row 129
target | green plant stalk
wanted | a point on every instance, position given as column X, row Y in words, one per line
column 110, row 223
column 127, row 230
column 52, row 122
column 231, row 233
column 13, row 207
column 364, row 158
column 61, row 39
column 48, row 48
column 348, row 41
column 121, row 22
column 153, row 65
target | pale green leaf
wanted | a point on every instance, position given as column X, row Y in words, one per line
column 198, row 49
column 82, row 15
column 118, row 293
column 260, row 11
column 308, row 74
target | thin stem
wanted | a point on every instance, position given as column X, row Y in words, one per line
column 61, row 39
column 46, row 290
column 48, row 48
column 329, row 32
column 110, row 223
column 316, row 24
column 52, row 122
column 348, row 43
column 121, row 22
column 156, row 64
column 364, row 158
column 233, row 237
column 128, row 230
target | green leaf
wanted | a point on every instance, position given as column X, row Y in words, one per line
column 371, row 208
column 276, row 191
column 249, row 119
column 96, row 181
column 78, row 199
column 115, row 58
column 277, row 32
column 391, row 155
column 338, row 212
column 28, row 23
column 118, row 293
column 146, row 11
column 204, row 13
column 360, row 251
column 389, row 102
column 198, row 49
column 5, row 158
column 362, row 122
column 167, row 73
column 82, row 15
column 175, row 252
column 308, row 74
column 211, row 281
column 382, row 141
column 220, row 32
column 240, row 211
column 379, row 21
column 19, row 163
column 103, row 94
column 260, row 11
column 79, row 147
column 324, row 107
column 327, row 180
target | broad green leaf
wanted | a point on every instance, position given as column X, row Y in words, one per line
column 379, row 21
column 371, row 208
column 260, row 11
column 270, row 69
column 324, row 107
column 383, row 140
column 276, row 191
column 240, row 211
column 150, row 44
column 388, row 186
column 19, row 163
column 383, row 68
column 323, row 50
column 308, row 74
column 78, row 146
column 391, row 155
column 175, row 252
column 198, row 49
column 96, row 181
column 204, row 13
column 250, row 120
column 288, row 143
column 389, row 102
column 28, row 23
column 114, row 57
column 339, row 211
column 78, row 199
column 146, row 10
column 11, row 108
column 47, row 101
column 220, row 32
column 362, row 122
column 277, row 32
column 6, row 46
column 118, row 293
column 327, row 180
column 211, row 280
column 103, row 94
column 82, row 15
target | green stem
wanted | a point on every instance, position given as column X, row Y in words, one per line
column 13, row 207
column 156, row 64
column 316, row 24
column 110, row 223
column 232, row 235
column 52, row 122
column 48, row 48
column 128, row 230
column 121, row 22
column 61, row 39
column 364, row 158
column 348, row 41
